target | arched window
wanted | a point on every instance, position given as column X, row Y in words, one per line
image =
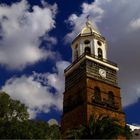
column 97, row 94
column 99, row 43
column 86, row 42
column 111, row 98
column 87, row 47
column 76, row 51
column 87, row 50
column 100, row 53
column 76, row 54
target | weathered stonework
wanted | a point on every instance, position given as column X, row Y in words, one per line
column 79, row 103
column 87, row 90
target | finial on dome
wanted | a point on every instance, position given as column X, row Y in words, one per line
column 88, row 17
column 88, row 22
column 89, row 28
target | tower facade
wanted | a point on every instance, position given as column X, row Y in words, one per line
column 90, row 82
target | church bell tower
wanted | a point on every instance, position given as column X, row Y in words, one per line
column 90, row 81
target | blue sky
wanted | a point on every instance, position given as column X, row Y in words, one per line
column 35, row 37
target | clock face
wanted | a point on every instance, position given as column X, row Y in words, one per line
column 102, row 72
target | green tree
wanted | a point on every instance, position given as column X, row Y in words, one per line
column 54, row 132
column 12, row 109
column 15, row 123
column 38, row 129
column 41, row 130
column 102, row 127
column 13, row 118
column 127, row 132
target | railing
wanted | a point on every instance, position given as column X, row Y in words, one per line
column 93, row 56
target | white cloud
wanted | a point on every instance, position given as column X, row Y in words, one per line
column 20, row 32
column 119, row 22
column 135, row 24
column 35, row 90
column 77, row 22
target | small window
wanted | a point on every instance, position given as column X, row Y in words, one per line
column 86, row 42
column 76, row 46
column 100, row 53
column 99, row 43
column 111, row 98
column 136, row 134
column 87, row 50
column 97, row 94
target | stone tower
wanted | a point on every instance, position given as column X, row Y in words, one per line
column 90, row 81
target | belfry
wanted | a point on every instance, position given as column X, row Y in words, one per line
column 90, row 81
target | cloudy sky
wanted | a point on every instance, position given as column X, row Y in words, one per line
column 35, row 38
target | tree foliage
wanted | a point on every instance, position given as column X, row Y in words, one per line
column 42, row 130
column 12, row 109
column 15, row 123
column 102, row 127
column 13, row 117
column 127, row 132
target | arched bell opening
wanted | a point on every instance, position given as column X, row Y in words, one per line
column 87, row 50
column 100, row 53
column 76, row 51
